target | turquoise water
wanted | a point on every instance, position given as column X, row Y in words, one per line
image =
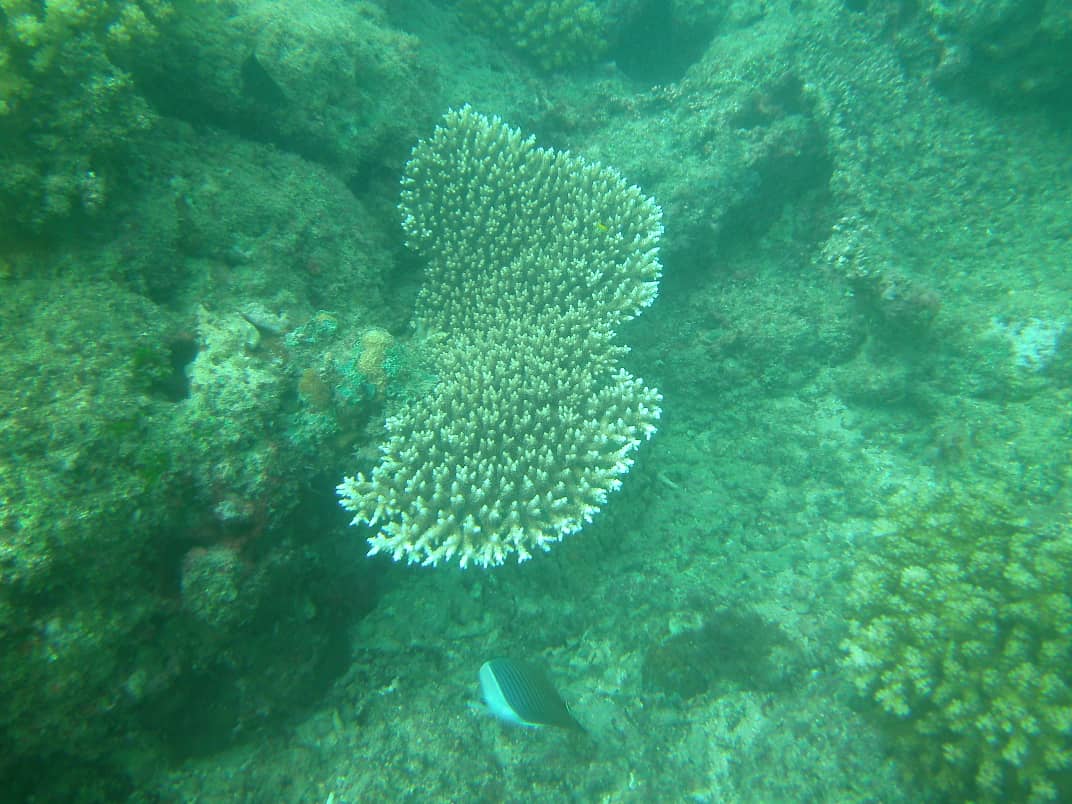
column 839, row 570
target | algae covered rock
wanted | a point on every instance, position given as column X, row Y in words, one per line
column 336, row 83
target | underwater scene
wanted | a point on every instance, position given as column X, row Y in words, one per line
column 548, row 401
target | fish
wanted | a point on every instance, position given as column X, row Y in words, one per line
column 520, row 693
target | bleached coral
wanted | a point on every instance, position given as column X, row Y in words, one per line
column 535, row 257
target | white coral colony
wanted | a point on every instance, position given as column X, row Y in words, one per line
column 534, row 259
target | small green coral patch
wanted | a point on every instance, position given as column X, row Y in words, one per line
column 68, row 101
column 555, row 34
column 963, row 636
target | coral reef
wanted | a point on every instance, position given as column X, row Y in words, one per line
column 184, row 615
column 535, row 259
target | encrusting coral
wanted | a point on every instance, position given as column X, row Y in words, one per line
column 374, row 345
column 535, row 257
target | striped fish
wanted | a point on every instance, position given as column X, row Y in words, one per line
column 520, row 693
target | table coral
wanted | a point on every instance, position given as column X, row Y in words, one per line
column 535, row 258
